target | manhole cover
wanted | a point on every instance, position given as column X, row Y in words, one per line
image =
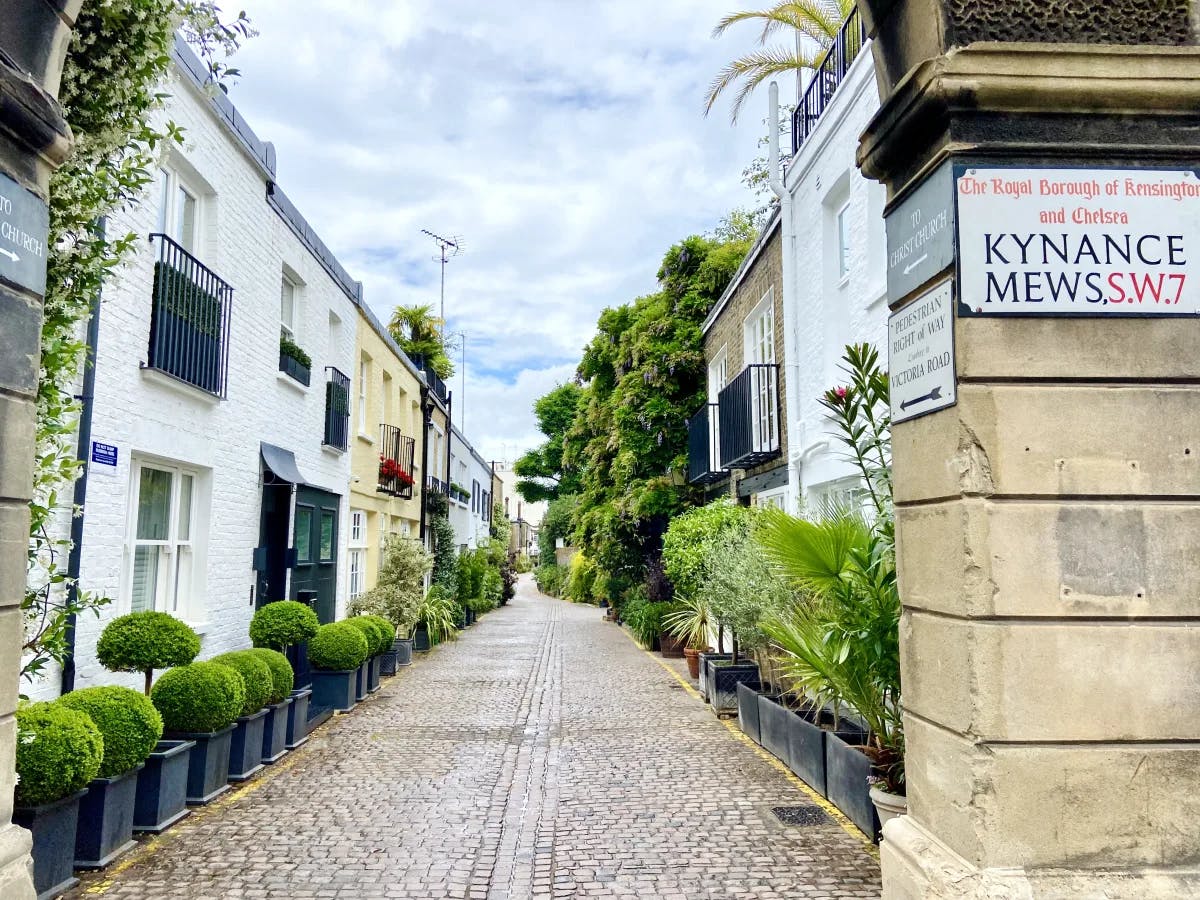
column 800, row 815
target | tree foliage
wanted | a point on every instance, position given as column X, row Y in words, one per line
column 542, row 474
column 420, row 334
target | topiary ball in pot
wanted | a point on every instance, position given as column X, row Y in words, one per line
column 388, row 633
column 337, row 647
column 370, row 630
column 59, row 750
column 283, row 623
column 128, row 721
column 256, row 675
column 282, row 676
column 145, row 641
column 201, row 697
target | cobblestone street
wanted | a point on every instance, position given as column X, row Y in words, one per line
column 542, row 754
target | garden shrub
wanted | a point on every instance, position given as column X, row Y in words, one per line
column 128, row 722
column 472, row 567
column 493, row 588
column 481, row 605
column 282, row 676
column 523, row 563
column 387, row 633
column 59, row 750
column 370, row 630
column 581, row 577
column 400, row 586
column 337, row 647
column 644, row 617
column 439, row 612
column 202, row 697
column 256, row 674
column 145, row 641
column 550, row 578
column 282, row 623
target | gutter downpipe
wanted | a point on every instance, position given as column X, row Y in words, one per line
column 790, row 301
column 427, row 421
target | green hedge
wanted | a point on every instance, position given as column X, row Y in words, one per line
column 282, row 623
column 145, row 641
column 127, row 720
column 292, row 350
column 387, row 633
column 256, row 675
column 282, row 676
column 337, row 647
column 200, row 697
column 59, row 750
column 370, row 630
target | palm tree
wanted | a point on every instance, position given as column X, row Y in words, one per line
column 419, row 333
column 815, row 24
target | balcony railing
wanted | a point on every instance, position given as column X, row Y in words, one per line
column 830, row 72
column 396, row 456
column 431, row 377
column 749, row 416
column 704, row 446
column 337, row 409
column 435, row 485
column 189, row 319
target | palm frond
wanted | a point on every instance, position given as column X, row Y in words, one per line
column 753, row 69
column 814, row 556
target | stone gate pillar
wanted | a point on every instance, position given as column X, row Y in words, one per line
column 1040, row 162
column 34, row 140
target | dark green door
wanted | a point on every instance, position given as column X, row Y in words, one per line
column 316, row 545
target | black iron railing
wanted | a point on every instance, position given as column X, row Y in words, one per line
column 431, row 377
column 337, row 409
column 830, row 72
column 749, row 417
column 189, row 319
column 435, row 485
column 396, row 456
column 704, row 446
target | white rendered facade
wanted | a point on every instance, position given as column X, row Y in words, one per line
column 470, row 517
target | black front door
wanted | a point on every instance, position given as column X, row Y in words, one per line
column 315, row 542
column 271, row 561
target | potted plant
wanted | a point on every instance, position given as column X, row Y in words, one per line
column 245, row 746
column 130, row 726
column 145, row 641
column 199, row 702
column 436, row 617
column 398, row 593
column 285, row 625
column 336, row 651
column 59, row 751
column 293, row 361
column 274, row 743
column 371, row 631
column 161, row 798
column 689, row 623
column 387, row 638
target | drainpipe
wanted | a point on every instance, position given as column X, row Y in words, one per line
column 75, row 557
column 790, row 303
column 427, row 419
column 449, row 435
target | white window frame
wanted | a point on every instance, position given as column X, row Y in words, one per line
column 173, row 594
column 289, row 329
column 841, row 226
column 364, row 378
column 718, row 378
column 758, row 331
column 357, row 553
column 171, row 186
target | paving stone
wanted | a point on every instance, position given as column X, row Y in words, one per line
column 542, row 754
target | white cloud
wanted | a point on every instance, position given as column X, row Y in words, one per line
column 563, row 140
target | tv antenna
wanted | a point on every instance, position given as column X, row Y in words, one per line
column 448, row 249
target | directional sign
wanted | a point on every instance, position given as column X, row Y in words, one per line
column 921, row 354
column 24, row 225
column 920, row 234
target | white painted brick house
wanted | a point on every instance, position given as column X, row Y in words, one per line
column 200, row 480
column 470, row 516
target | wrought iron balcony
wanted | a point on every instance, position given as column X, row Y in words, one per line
column 337, row 409
column 435, row 485
column 431, row 377
column 829, row 74
column 396, row 457
column 189, row 319
column 749, row 417
column 704, row 444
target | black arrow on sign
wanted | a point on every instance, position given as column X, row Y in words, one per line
column 935, row 394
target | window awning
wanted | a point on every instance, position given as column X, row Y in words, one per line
column 282, row 464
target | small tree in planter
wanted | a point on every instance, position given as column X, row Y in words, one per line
column 274, row 743
column 245, row 748
column 59, row 751
column 199, row 702
column 398, row 592
column 374, row 634
column 285, row 625
column 131, row 727
column 145, row 641
column 335, row 652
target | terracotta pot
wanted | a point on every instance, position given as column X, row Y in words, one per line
column 693, row 661
column 670, row 647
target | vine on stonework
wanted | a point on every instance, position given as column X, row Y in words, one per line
column 116, row 65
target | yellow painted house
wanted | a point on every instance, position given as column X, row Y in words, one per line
column 386, row 427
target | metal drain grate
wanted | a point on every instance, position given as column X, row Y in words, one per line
column 800, row 815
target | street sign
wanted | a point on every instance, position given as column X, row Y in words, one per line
column 24, row 226
column 920, row 234
column 104, row 459
column 1078, row 242
column 921, row 365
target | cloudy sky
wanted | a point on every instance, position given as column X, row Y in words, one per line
column 563, row 140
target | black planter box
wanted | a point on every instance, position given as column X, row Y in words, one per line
column 297, row 655
column 404, row 651
column 747, row 696
column 421, row 638
column 297, row 718
column 245, row 749
column 806, row 750
column 295, row 369
column 846, row 771
column 360, row 681
column 183, row 350
column 105, row 828
column 387, row 662
column 773, row 727
column 334, row 690
column 208, row 763
column 53, row 826
column 723, row 682
column 161, row 798
column 704, row 673
column 274, row 742
column 373, row 666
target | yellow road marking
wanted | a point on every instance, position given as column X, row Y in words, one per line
column 832, row 811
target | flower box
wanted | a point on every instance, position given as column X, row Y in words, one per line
column 748, row 710
column 274, row 742
column 297, row 718
column 846, row 771
column 334, row 690
column 806, row 749
column 773, row 727
column 723, row 679
column 245, row 747
column 373, row 671
column 161, row 798
column 360, row 680
column 105, row 827
column 208, row 763
column 53, row 826
column 295, row 369
column 705, row 659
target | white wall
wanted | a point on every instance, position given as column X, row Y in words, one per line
column 468, row 519
column 824, row 312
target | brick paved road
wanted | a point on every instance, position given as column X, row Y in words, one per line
column 541, row 755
